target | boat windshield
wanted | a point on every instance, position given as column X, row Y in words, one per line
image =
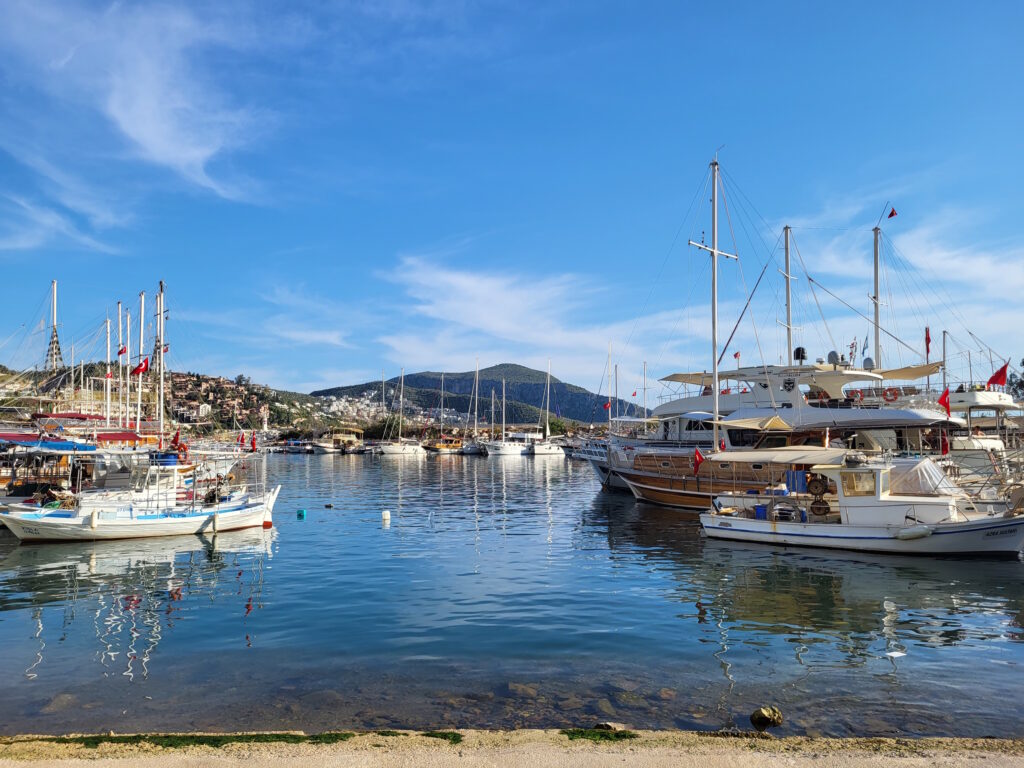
column 920, row 478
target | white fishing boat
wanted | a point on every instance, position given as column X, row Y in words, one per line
column 164, row 500
column 400, row 446
column 509, row 445
column 834, row 498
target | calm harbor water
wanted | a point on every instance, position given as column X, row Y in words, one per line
column 505, row 592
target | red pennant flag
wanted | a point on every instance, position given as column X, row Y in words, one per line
column 736, row 354
column 892, row 213
column 698, row 459
column 927, row 341
column 109, row 375
column 253, row 444
column 634, row 393
column 999, row 377
column 944, row 402
column 141, row 368
column 167, row 348
column 608, row 405
column 122, row 351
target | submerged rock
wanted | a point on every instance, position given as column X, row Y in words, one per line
column 667, row 694
column 605, row 707
column 523, row 690
column 764, row 718
column 59, row 703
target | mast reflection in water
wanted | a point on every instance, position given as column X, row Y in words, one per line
column 506, row 591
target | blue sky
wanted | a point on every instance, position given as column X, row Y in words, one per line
column 331, row 189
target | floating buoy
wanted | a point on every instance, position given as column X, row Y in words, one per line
column 385, row 515
column 328, row 506
column 301, row 514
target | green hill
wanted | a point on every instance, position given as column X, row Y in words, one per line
column 524, row 393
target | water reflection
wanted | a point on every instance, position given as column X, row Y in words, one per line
column 129, row 592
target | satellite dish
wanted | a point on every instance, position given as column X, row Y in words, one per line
column 868, row 363
column 833, row 358
column 800, row 354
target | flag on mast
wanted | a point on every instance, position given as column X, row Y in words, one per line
column 944, row 402
column 998, row 379
column 892, row 213
column 927, row 341
column 141, row 368
column 698, row 459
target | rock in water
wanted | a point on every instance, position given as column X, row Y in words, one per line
column 764, row 718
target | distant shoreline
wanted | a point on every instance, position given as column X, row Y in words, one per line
column 526, row 748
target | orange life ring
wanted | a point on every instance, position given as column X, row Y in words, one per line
column 891, row 395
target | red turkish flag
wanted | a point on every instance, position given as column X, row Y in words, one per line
column 698, row 459
column 999, row 377
column 141, row 368
column 892, row 214
column 607, row 405
column 944, row 402
column 927, row 341
column 122, row 351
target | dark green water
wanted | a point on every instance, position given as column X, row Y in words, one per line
column 505, row 592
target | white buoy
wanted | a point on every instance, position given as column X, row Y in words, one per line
column 386, row 515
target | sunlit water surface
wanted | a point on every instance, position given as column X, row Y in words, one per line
column 505, row 592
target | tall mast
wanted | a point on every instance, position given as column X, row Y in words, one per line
column 142, row 352
column 382, row 386
column 944, row 361
column 789, row 301
column 442, row 401
column 106, row 381
column 72, row 406
column 503, row 410
column 645, row 389
column 120, row 368
column 401, row 403
column 547, row 404
column 715, row 253
column 476, row 400
column 609, row 394
column 616, row 390
column 160, row 325
column 128, row 376
column 492, row 414
column 877, row 303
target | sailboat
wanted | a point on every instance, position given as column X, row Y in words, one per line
column 505, row 446
column 473, row 447
column 400, row 447
column 545, row 447
column 444, row 443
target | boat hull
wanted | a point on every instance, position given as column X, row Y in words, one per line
column 999, row 536
column 81, row 528
column 404, row 449
column 505, row 449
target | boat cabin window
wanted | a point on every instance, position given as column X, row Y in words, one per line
column 858, row 483
column 694, row 425
column 743, row 438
